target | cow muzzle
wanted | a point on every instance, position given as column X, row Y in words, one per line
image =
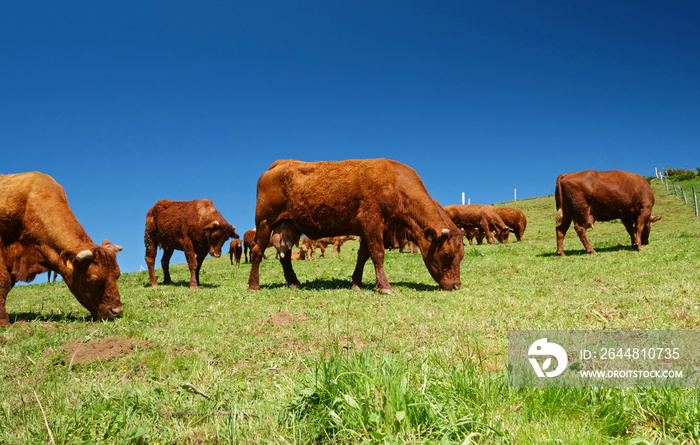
column 115, row 312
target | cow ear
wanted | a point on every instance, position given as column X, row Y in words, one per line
column 68, row 258
column 110, row 246
column 430, row 233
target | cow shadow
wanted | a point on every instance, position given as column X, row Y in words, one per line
column 184, row 283
column 582, row 252
column 49, row 318
column 345, row 284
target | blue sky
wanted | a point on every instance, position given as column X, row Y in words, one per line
column 126, row 103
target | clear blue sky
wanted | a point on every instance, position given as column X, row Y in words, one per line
column 125, row 103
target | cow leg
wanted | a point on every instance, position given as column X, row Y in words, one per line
column 375, row 250
column 563, row 224
column 200, row 261
column 631, row 230
column 289, row 275
column 151, row 251
column 362, row 257
column 284, row 237
column 262, row 238
column 193, row 264
column 487, row 232
column 5, row 286
column 165, row 264
column 581, row 232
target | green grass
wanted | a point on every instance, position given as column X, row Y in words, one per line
column 423, row 366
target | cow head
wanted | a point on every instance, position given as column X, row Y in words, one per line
column 91, row 275
column 502, row 234
column 443, row 256
column 217, row 234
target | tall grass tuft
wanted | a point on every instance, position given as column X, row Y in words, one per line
column 376, row 395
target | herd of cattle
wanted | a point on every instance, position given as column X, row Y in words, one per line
column 382, row 202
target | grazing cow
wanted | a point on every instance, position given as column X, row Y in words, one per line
column 336, row 241
column 589, row 196
column 479, row 216
column 398, row 240
column 354, row 197
column 235, row 250
column 195, row 227
column 474, row 232
column 515, row 220
column 40, row 233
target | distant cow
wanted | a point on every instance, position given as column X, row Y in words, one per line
column 474, row 232
column 479, row 216
column 589, row 196
column 194, row 227
column 515, row 220
column 248, row 242
column 235, row 250
column 336, row 241
column 39, row 233
column 398, row 239
column 354, row 197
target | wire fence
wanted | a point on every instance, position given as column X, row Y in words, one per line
column 690, row 198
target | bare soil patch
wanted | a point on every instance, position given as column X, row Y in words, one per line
column 101, row 349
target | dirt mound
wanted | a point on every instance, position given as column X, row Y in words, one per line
column 283, row 318
column 100, row 349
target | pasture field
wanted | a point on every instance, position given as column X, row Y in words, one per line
column 325, row 363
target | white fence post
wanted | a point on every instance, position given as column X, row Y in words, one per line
column 695, row 198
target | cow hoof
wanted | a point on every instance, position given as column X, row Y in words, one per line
column 5, row 321
column 590, row 251
column 356, row 287
column 253, row 289
column 295, row 286
column 387, row 291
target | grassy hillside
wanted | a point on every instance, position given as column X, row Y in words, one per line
column 221, row 364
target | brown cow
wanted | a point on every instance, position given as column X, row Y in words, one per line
column 39, row 233
column 589, row 196
column 479, row 216
column 354, row 197
column 398, row 239
column 235, row 250
column 195, row 227
column 248, row 243
column 336, row 241
column 474, row 232
column 515, row 220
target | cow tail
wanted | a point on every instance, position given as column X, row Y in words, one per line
column 559, row 200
